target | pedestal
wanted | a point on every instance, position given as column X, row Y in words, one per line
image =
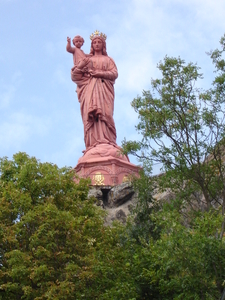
column 105, row 165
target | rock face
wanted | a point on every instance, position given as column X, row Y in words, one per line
column 120, row 200
column 120, row 194
column 117, row 200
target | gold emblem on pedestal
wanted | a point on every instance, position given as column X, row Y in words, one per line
column 98, row 178
column 126, row 178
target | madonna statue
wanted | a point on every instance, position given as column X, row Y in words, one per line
column 95, row 75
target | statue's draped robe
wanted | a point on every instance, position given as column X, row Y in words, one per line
column 78, row 55
column 96, row 97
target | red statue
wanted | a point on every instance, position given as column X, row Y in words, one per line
column 95, row 75
column 78, row 54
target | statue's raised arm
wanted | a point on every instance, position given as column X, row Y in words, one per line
column 78, row 54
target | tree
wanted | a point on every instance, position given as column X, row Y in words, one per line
column 183, row 128
column 140, row 225
column 53, row 242
column 185, row 262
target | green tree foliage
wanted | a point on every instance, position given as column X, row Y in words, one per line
column 53, row 244
column 183, row 128
column 185, row 262
column 219, row 62
column 141, row 226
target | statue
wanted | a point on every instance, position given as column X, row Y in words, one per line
column 78, row 54
column 95, row 75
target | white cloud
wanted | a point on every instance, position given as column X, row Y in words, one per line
column 209, row 11
column 7, row 92
column 19, row 128
column 135, row 71
column 70, row 152
column 6, row 96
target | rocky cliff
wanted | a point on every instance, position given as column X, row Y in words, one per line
column 117, row 200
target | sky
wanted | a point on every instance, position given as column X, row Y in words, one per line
column 39, row 109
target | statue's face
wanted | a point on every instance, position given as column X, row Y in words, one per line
column 97, row 44
column 78, row 43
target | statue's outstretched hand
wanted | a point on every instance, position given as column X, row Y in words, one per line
column 69, row 40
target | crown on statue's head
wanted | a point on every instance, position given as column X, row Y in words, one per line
column 98, row 34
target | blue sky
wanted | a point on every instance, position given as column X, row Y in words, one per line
column 40, row 113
